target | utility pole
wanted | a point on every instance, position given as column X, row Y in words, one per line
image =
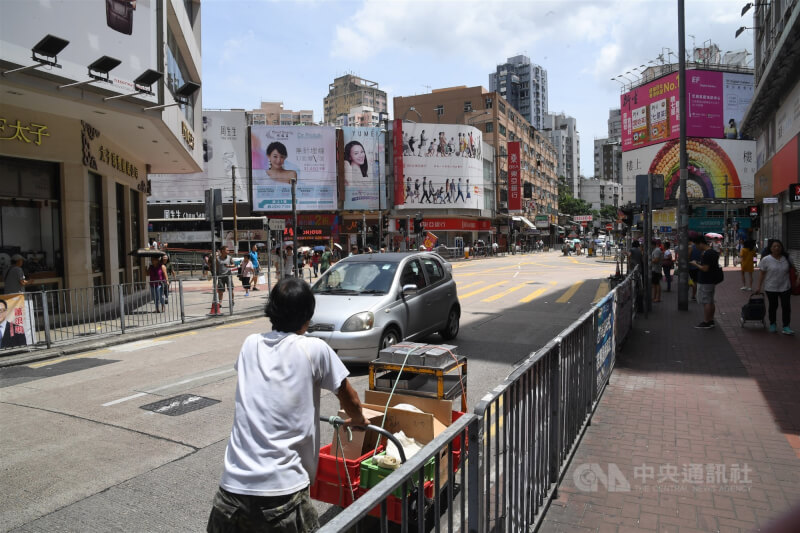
column 683, row 198
column 725, row 226
column 235, row 225
column 295, row 228
column 363, row 230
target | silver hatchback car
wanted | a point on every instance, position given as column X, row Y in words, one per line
column 370, row 301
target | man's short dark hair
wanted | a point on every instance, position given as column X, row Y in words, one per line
column 291, row 304
column 5, row 304
column 635, row 244
column 699, row 239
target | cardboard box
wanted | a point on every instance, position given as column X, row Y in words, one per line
column 363, row 441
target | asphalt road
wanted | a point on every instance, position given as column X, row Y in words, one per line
column 80, row 453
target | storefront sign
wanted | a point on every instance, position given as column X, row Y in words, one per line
column 117, row 162
column 794, row 192
column 514, row 180
column 455, row 224
column 187, row 135
column 582, row 218
column 16, row 131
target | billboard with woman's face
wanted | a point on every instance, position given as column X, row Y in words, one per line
column 364, row 168
column 281, row 154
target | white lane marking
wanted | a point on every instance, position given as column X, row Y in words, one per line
column 138, row 345
column 133, row 396
column 516, row 273
column 167, row 386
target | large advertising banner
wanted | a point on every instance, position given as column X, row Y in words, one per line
column 280, row 154
column 124, row 30
column 364, row 168
column 16, row 328
column 711, row 163
column 715, row 104
column 514, row 178
column 442, row 167
column 224, row 147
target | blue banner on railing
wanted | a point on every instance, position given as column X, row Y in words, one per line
column 604, row 344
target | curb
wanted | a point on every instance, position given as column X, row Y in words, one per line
column 71, row 349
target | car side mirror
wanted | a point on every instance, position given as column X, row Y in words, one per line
column 409, row 290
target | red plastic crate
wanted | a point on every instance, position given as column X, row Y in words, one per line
column 329, row 465
column 394, row 505
column 333, row 493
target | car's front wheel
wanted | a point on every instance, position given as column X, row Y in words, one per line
column 450, row 331
column 390, row 337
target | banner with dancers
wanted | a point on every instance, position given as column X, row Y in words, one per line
column 442, row 167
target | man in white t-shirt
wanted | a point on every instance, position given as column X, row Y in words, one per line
column 272, row 453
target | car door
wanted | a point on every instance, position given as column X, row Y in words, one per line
column 414, row 304
column 438, row 295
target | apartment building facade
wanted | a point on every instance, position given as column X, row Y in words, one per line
column 349, row 91
column 273, row 114
column 524, row 86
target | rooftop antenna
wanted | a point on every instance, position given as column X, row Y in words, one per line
column 427, row 87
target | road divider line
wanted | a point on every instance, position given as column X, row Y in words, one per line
column 570, row 293
column 69, row 358
column 478, row 291
column 175, row 336
column 235, row 324
column 501, row 294
column 602, row 290
column 125, row 399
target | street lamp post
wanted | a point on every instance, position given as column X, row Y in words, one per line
column 725, row 226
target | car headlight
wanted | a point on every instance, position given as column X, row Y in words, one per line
column 359, row 322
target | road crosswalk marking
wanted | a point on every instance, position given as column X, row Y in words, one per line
column 470, row 285
column 504, row 293
column 532, row 296
column 482, row 289
column 570, row 293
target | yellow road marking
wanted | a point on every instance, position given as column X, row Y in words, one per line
column 570, row 293
column 501, row 294
column 473, row 293
column 602, row 290
column 470, row 285
column 175, row 336
column 535, row 294
column 235, row 324
column 69, row 357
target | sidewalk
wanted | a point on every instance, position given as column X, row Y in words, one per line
column 703, row 425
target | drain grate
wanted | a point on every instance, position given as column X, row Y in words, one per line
column 179, row 405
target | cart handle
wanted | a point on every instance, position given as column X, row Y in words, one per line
column 337, row 422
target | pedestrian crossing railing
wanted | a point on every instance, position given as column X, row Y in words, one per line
column 522, row 434
column 63, row 316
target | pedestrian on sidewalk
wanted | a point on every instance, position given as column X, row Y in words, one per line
column 158, row 275
column 315, row 263
column 667, row 264
column 246, row 274
column 256, row 267
column 273, row 450
column 695, row 255
column 169, row 270
column 747, row 255
column 655, row 268
column 325, row 260
column 635, row 258
column 776, row 283
column 709, row 274
column 224, row 264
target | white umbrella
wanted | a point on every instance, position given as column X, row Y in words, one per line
column 304, row 249
column 713, row 235
column 336, row 244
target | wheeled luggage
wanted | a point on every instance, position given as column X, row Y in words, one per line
column 754, row 310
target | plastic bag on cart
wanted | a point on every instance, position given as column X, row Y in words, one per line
column 410, row 447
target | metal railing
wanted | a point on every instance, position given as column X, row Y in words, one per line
column 522, row 435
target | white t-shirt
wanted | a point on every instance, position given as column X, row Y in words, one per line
column 777, row 271
column 655, row 260
column 274, row 444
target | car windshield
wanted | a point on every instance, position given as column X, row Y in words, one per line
column 357, row 278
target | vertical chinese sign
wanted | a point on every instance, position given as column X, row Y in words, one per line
column 397, row 151
column 514, row 179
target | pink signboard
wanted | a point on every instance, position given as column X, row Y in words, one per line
column 714, row 107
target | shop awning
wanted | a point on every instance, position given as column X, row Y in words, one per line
column 525, row 221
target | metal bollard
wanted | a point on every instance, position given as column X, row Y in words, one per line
column 180, row 298
column 230, row 294
column 46, row 319
column 121, row 290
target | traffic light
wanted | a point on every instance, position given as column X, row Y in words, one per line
column 385, row 224
column 401, row 226
column 627, row 216
column 373, row 229
column 288, row 233
column 359, row 226
column 753, row 209
column 418, row 223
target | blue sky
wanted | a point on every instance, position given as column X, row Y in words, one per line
column 290, row 50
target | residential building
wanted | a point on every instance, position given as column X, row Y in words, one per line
column 78, row 148
column 362, row 116
column 273, row 114
column 500, row 123
column 771, row 118
column 524, row 86
column 563, row 133
column 615, row 124
column 349, row 91
column 608, row 150
column 600, row 193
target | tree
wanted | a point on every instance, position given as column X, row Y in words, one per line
column 567, row 203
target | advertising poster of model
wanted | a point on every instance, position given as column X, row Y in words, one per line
column 122, row 29
column 442, row 167
column 715, row 105
column 224, row 147
column 364, row 167
column 16, row 328
column 711, row 162
column 280, row 154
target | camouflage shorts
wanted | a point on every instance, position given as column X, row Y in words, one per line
column 292, row 513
